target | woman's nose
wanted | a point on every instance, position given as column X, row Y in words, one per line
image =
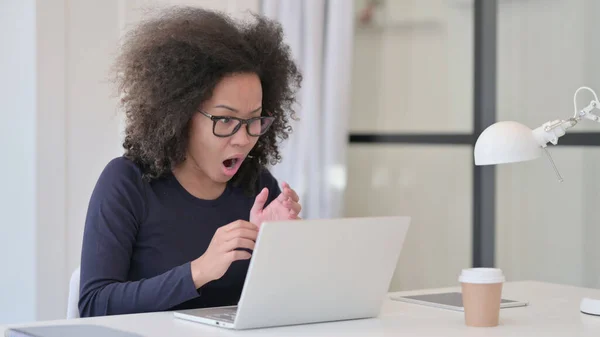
column 241, row 137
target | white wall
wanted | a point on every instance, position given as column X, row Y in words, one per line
column 413, row 68
column 18, row 168
column 51, row 182
column 61, row 126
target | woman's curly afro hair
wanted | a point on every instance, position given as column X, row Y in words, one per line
column 171, row 63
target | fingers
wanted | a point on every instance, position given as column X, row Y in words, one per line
column 289, row 192
column 259, row 202
column 243, row 233
column 236, row 255
column 294, row 207
column 237, row 225
column 281, row 198
column 289, row 199
column 238, row 243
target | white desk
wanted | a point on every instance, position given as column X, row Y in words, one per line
column 553, row 311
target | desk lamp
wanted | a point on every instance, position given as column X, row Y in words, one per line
column 511, row 142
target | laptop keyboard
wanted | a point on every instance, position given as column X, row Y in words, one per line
column 225, row 315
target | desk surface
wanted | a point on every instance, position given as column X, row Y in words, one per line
column 553, row 311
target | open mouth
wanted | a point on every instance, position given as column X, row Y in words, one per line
column 230, row 163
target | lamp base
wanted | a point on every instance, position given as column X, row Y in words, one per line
column 590, row 306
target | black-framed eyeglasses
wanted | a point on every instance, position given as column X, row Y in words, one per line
column 225, row 126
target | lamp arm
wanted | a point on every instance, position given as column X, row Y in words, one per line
column 550, row 131
column 582, row 112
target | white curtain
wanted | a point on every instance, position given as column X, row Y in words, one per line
column 320, row 34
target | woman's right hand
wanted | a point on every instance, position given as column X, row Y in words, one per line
column 222, row 251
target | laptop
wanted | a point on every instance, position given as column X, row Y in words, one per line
column 310, row 271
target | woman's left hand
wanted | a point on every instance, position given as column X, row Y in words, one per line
column 285, row 207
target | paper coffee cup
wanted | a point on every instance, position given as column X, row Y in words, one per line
column 481, row 294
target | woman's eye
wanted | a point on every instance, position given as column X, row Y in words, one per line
column 224, row 120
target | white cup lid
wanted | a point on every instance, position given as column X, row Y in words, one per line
column 481, row 275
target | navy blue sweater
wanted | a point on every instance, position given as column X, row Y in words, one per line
column 140, row 238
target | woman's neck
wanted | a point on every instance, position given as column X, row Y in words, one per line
column 197, row 183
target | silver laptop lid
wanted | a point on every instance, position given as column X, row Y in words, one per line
column 320, row 270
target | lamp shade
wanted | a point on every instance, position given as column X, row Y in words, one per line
column 506, row 142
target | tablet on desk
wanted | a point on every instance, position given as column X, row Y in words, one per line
column 451, row 301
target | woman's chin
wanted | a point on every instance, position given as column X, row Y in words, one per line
column 222, row 177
